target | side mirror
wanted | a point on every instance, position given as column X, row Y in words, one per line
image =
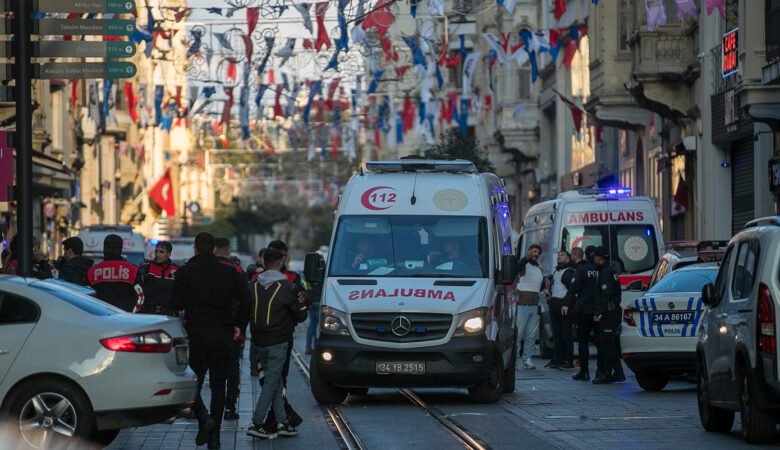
column 314, row 268
column 508, row 271
column 635, row 285
column 708, row 294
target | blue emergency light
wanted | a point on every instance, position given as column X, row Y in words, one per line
column 621, row 191
column 153, row 241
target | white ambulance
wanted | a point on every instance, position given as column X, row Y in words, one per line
column 418, row 287
column 612, row 218
column 628, row 226
column 133, row 244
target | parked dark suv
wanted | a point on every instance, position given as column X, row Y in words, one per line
column 736, row 356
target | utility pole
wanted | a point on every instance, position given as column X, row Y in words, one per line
column 23, row 138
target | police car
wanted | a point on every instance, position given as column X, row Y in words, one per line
column 659, row 333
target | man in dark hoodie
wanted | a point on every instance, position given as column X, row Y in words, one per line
column 584, row 289
column 560, row 300
column 76, row 266
column 276, row 309
column 115, row 280
column 206, row 289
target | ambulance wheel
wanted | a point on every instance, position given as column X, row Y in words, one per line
column 489, row 391
column 509, row 372
column 324, row 391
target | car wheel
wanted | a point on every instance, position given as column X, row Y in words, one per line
column 103, row 437
column 51, row 413
column 509, row 372
column 324, row 391
column 489, row 391
column 758, row 426
column 714, row 419
column 651, row 380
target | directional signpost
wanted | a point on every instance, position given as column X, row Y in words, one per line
column 23, row 71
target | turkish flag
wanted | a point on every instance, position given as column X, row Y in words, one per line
column 162, row 194
column 681, row 195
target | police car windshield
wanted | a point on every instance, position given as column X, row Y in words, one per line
column 684, row 281
column 632, row 248
column 410, row 246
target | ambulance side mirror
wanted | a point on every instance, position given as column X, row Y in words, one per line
column 508, row 271
column 314, row 268
column 636, row 285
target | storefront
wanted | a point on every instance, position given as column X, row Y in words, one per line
column 774, row 182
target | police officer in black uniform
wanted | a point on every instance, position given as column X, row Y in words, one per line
column 584, row 289
column 607, row 314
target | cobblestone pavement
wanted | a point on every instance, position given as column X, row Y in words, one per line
column 547, row 410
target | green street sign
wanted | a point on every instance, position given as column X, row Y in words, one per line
column 83, row 49
column 97, row 27
column 84, row 6
column 84, row 70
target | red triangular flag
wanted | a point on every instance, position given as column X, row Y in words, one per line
column 571, row 49
column 251, row 19
column 560, row 8
column 681, row 195
column 162, row 194
column 130, row 97
column 228, row 106
column 380, row 17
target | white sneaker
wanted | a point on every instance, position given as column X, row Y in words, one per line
column 528, row 365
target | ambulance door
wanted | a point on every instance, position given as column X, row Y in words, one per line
column 503, row 298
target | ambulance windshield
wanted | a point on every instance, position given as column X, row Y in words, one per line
column 632, row 248
column 410, row 246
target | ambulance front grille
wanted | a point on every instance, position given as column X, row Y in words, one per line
column 422, row 326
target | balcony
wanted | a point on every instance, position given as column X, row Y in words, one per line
column 665, row 67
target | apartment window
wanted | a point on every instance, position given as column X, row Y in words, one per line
column 772, row 32
column 524, row 84
column 456, row 73
column 625, row 25
column 670, row 8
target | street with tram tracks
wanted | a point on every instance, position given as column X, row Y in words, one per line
column 547, row 410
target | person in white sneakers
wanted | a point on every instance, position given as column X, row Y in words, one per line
column 529, row 284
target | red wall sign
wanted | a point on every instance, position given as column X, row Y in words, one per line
column 730, row 53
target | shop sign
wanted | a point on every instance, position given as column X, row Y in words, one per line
column 774, row 175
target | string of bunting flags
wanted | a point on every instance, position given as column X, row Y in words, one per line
column 331, row 109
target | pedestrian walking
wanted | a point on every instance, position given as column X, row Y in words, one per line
column 76, row 267
column 560, row 302
column 234, row 366
column 41, row 264
column 205, row 289
column 315, row 293
column 157, row 276
column 584, row 290
column 607, row 314
column 529, row 284
column 276, row 308
column 115, row 280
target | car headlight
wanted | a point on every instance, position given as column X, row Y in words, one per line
column 333, row 321
column 471, row 322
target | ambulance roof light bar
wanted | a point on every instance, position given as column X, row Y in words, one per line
column 421, row 165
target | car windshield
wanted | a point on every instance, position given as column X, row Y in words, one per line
column 684, row 281
column 410, row 246
column 77, row 299
column 632, row 248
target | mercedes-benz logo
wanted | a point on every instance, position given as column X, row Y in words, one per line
column 400, row 326
column 671, row 305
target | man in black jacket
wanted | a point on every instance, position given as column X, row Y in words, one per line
column 115, row 280
column 584, row 289
column 157, row 276
column 205, row 289
column 75, row 268
column 607, row 314
column 276, row 308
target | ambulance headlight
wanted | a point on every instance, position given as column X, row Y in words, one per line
column 333, row 321
column 471, row 322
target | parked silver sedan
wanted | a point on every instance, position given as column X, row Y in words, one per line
column 75, row 368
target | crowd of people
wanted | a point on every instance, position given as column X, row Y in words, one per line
column 218, row 301
column 583, row 291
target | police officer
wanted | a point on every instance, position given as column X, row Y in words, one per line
column 584, row 290
column 560, row 301
column 606, row 314
column 115, row 280
column 157, row 275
